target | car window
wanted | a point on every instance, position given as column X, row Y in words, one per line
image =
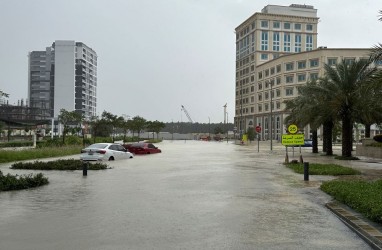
column 113, row 147
column 151, row 146
column 98, row 145
column 120, row 148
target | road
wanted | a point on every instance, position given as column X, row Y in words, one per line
column 194, row 195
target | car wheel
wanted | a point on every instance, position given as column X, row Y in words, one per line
column 111, row 158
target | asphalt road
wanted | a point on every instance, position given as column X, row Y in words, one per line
column 194, row 195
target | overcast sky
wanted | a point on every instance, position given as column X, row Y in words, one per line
column 156, row 55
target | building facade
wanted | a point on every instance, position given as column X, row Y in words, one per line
column 274, row 32
column 64, row 76
column 276, row 51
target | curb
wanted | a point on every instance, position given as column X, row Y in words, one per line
column 370, row 232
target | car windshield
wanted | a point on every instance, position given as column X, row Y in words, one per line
column 137, row 145
column 98, row 145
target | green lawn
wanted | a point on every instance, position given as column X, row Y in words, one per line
column 37, row 153
column 323, row 169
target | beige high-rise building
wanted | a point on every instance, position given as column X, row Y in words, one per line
column 276, row 51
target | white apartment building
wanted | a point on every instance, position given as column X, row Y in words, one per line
column 64, row 76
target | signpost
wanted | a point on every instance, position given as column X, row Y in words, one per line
column 258, row 130
column 292, row 139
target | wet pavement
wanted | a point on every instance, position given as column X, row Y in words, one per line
column 194, row 195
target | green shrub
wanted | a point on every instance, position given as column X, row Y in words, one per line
column 363, row 196
column 15, row 182
column 375, row 144
column 16, row 144
column 378, row 138
column 68, row 164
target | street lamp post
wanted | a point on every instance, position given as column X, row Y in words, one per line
column 209, row 123
column 271, row 114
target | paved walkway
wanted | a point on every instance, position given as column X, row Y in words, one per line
column 370, row 168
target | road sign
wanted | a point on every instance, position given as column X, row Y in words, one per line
column 292, row 140
column 258, row 129
column 292, row 129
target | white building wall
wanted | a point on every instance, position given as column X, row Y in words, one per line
column 64, row 81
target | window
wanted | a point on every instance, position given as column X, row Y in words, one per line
column 264, row 56
column 301, row 77
column 264, row 24
column 297, row 26
column 309, row 27
column 266, row 95
column 309, row 42
column 289, row 91
column 260, row 86
column 276, row 41
column 287, row 26
column 260, row 97
column 289, row 66
column 313, row 63
column 278, row 93
column 252, row 109
column 278, row 68
column 301, row 64
column 266, row 107
column 349, row 60
column 266, row 72
column 252, row 88
column 276, row 25
column 260, row 108
column 278, row 80
column 252, row 78
column 313, row 76
column 289, row 79
column 297, row 43
column 378, row 63
column 272, row 70
column 332, row 61
column 264, row 40
column 260, row 75
column 286, row 42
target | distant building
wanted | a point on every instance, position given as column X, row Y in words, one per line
column 64, row 76
column 276, row 51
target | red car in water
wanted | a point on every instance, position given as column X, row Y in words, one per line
column 142, row 148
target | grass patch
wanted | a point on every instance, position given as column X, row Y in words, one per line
column 323, row 169
column 37, row 153
column 363, row 196
column 14, row 182
column 69, row 164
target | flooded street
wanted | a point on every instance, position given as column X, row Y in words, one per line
column 194, row 195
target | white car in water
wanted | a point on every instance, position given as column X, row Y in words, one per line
column 105, row 152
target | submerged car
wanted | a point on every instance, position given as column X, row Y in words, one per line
column 105, row 152
column 142, row 148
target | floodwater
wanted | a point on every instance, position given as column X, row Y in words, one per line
column 194, row 195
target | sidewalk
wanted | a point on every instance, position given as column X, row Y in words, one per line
column 370, row 168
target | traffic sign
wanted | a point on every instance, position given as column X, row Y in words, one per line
column 292, row 140
column 258, row 129
column 292, row 129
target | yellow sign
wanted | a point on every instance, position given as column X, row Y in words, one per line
column 292, row 129
column 292, row 140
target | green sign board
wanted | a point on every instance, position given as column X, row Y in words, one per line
column 291, row 140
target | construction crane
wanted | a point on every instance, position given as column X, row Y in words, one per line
column 187, row 114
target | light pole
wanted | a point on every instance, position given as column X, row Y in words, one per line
column 271, row 113
column 209, row 123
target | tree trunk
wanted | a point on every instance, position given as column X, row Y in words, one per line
column 327, row 137
column 347, row 136
column 314, row 140
column 367, row 130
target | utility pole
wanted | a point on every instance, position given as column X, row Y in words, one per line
column 271, row 114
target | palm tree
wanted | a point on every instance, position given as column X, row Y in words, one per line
column 309, row 108
column 347, row 85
